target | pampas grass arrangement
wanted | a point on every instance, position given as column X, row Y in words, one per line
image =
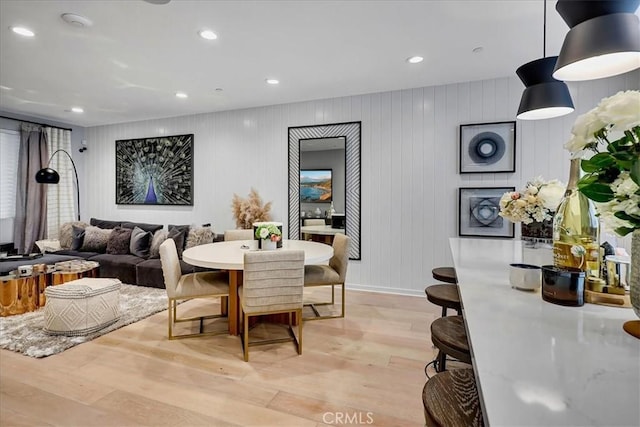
column 250, row 210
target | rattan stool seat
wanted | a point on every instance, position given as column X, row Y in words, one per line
column 445, row 274
column 451, row 399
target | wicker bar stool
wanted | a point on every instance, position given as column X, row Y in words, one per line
column 449, row 336
column 450, row 399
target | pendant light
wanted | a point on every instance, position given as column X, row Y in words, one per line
column 544, row 97
column 604, row 39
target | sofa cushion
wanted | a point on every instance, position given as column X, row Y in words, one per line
column 140, row 242
column 121, row 267
column 95, row 239
column 76, row 254
column 102, row 223
column 65, row 234
column 199, row 236
column 77, row 238
column 146, row 227
column 158, row 237
column 118, row 243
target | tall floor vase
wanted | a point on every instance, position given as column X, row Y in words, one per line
column 633, row 326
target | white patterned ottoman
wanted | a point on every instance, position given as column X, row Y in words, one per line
column 82, row 306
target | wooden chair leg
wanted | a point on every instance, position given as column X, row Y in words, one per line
column 245, row 335
column 299, row 315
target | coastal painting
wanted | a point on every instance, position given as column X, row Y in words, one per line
column 155, row 171
column 315, row 185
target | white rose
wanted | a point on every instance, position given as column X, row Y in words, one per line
column 532, row 189
column 551, row 195
column 622, row 110
column 624, row 185
column 576, row 144
column 264, row 233
column 586, row 125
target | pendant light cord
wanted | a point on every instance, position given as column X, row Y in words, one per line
column 544, row 31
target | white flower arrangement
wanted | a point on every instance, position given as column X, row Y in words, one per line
column 536, row 203
column 612, row 178
column 268, row 231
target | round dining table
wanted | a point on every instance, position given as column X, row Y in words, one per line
column 229, row 256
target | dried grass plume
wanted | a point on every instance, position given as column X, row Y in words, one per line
column 250, row 210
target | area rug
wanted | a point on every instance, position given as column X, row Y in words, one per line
column 23, row 333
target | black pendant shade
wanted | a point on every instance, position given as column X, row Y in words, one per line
column 544, row 97
column 47, row 176
column 604, row 39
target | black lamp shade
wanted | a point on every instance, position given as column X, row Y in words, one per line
column 604, row 39
column 47, row 176
column 544, row 97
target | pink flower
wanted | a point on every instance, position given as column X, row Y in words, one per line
column 515, row 196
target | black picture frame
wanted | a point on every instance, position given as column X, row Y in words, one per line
column 478, row 209
column 488, row 147
column 155, row 171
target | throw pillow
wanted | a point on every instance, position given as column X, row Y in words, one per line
column 158, row 237
column 178, row 235
column 95, row 239
column 118, row 243
column 77, row 238
column 199, row 236
column 139, row 243
column 65, row 234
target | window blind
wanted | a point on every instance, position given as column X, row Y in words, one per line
column 9, row 148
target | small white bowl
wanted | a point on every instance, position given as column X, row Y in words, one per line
column 526, row 277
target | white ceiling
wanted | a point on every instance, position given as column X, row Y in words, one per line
column 128, row 65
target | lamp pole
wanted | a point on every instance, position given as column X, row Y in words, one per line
column 50, row 176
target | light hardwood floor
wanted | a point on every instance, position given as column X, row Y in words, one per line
column 366, row 369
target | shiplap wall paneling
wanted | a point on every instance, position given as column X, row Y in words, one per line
column 410, row 149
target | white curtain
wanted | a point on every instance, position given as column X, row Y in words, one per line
column 61, row 198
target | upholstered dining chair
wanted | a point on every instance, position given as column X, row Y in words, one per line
column 273, row 284
column 213, row 284
column 238, row 234
column 332, row 275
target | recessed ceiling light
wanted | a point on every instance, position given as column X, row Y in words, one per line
column 477, row 49
column 23, row 31
column 208, row 35
column 415, row 59
column 77, row 109
column 181, row 95
column 218, row 89
column 272, row 81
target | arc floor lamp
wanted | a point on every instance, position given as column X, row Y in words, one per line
column 50, row 176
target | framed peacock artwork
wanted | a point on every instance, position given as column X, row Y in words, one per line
column 155, row 171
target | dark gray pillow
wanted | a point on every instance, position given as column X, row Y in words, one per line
column 118, row 243
column 139, row 243
column 179, row 236
column 77, row 238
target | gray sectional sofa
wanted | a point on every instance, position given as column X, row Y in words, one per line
column 132, row 268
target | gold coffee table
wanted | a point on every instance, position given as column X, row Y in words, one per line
column 22, row 294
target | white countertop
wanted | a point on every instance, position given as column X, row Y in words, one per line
column 230, row 255
column 539, row 363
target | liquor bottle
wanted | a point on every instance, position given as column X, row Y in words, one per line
column 576, row 229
